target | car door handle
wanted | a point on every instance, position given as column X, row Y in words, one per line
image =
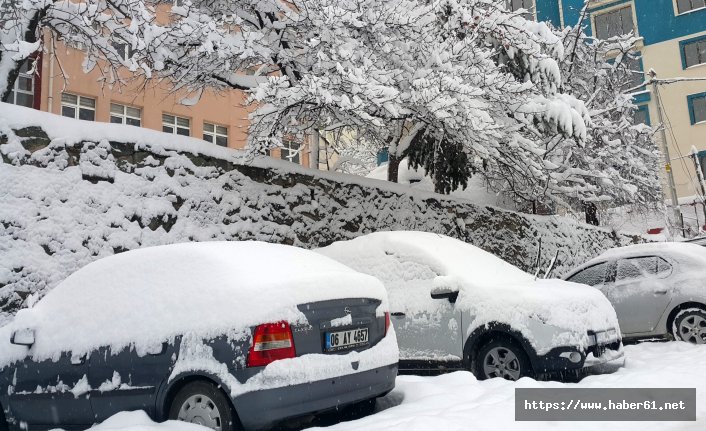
column 661, row 292
column 398, row 314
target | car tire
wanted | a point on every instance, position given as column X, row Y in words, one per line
column 690, row 326
column 205, row 404
column 502, row 357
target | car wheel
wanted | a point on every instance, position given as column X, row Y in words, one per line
column 690, row 325
column 502, row 357
column 204, row 404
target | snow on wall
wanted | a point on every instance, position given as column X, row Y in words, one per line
column 66, row 201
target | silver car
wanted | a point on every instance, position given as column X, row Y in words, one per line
column 455, row 306
column 657, row 289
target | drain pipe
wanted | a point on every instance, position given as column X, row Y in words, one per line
column 50, row 96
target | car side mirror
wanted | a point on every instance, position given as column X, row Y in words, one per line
column 444, row 293
column 23, row 337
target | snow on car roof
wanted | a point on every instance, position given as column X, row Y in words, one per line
column 445, row 255
column 677, row 250
column 146, row 296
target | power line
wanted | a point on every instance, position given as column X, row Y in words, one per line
column 676, row 145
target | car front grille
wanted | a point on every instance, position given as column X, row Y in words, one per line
column 599, row 349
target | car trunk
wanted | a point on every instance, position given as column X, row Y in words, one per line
column 339, row 326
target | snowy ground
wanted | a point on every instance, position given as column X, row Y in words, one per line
column 457, row 401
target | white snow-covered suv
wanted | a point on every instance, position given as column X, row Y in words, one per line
column 455, row 306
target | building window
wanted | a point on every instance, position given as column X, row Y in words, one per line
column 697, row 108
column 633, row 65
column 176, row 125
column 125, row 51
column 528, row 5
column 81, row 107
column 290, row 151
column 121, row 114
column 614, row 23
column 22, row 92
column 215, row 134
column 693, row 52
column 689, row 5
column 641, row 115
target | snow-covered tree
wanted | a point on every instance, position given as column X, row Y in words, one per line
column 621, row 156
column 450, row 81
column 106, row 30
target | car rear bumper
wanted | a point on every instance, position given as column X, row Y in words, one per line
column 264, row 408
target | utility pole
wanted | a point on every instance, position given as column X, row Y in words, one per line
column 678, row 220
column 699, row 176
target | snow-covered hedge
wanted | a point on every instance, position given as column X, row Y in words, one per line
column 73, row 191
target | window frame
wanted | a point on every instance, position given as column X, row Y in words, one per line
column 656, row 275
column 78, row 106
column 215, row 134
column 682, row 51
column 678, row 13
column 16, row 87
column 605, row 274
column 124, row 50
column 646, row 109
column 613, row 9
column 125, row 116
column 175, row 125
column 287, row 145
column 692, row 113
column 531, row 10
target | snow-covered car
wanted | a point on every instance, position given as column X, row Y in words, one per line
column 657, row 289
column 230, row 335
column 456, row 306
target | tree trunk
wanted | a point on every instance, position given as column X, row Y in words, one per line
column 314, row 142
column 393, row 168
column 591, row 211
column 30, row 36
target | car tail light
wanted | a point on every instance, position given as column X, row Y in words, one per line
column 387, row 321
column 271, row 341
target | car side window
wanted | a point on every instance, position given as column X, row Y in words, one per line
column 664, row 268
column 592, row 276
column 641, row 267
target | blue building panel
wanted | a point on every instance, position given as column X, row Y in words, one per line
column 642, row 97
column 572, row 13
column 657, row 20
column 548, row 10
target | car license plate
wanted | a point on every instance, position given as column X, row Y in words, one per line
column 346, row 339
column 606, row 337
